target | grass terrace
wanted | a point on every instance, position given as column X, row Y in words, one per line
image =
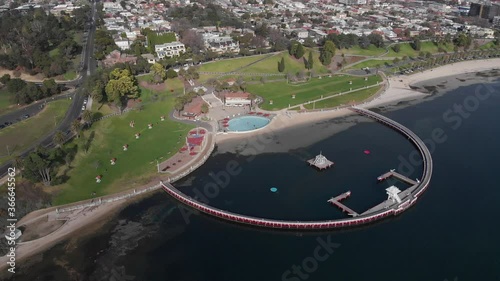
column 281, row 92
column 134, row 167
column 371, row 63
column 21, row 135
column 155, row 39
column 228, row 65
column 357, row 96
column 372, row 51
column 270, row 65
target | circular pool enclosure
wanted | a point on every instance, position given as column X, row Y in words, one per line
column 247, row 123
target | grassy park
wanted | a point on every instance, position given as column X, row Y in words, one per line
column 281, row 92
column 228, row 65
column 270, row 65
column 371, row 51
column 21, row 135
column 373, row 63
column 134, row 167
column 357, row 96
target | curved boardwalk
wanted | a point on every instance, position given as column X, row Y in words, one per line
column 383, row 210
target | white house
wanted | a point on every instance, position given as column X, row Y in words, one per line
column 169, row 50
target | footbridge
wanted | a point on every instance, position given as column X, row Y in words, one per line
column 378, row 212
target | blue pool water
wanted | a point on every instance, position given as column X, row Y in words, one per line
column 247, row 123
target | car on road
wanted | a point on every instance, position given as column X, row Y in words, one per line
column 6, row 124
column 83, row 107
column 26, row 116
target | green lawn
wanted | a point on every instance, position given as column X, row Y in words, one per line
column 155, row 39
column 487, row 46
column 228, row 65
column 281, row 92
column 5, row 100
column 344, row 99
column 21, row 135
column 356, row 50
column 270, row 65
column 373, row 63
column 133, row 167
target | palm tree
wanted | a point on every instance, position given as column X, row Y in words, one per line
column 76, row 127
column 59, row 138
column 87, row 116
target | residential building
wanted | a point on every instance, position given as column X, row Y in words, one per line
column 169, row 50
column 117, row 57
column 220, row 44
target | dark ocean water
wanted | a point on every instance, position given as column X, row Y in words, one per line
column 452, row 233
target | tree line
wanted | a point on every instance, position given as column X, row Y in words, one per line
column 28, row 92
column 39, row 42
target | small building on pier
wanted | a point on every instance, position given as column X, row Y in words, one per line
column 320, row 162
column 392, row 193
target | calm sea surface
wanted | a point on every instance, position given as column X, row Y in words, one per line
column 452, row 233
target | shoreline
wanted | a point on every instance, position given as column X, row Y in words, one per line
column 398, row 89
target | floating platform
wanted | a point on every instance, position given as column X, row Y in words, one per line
column 336, row 201
column 320, row 162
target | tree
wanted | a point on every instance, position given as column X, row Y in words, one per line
column 327, row 53
column 463, row 40
column 15, row 85
column 299, row 53
column 396, row 48
column 309, row 42
column 87, row 116
column 59, row 138
column 376, row 39
column 310, row 61
column 76, row 127
column 416, row 44
column 37, row 168
column 121, row 85
column 204, row 108
column 293, row 48
column 50, row 88
column 364, row 42
column 179, row 106
column 193, row 40
column 281, row 65
column 171, row 73
column 4, row 79
column 159, row 73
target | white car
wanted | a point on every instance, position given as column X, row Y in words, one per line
column 84, row 107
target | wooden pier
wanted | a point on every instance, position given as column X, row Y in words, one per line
column 336, row 201
column 393, row 173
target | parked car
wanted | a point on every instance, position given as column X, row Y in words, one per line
column 26, row 116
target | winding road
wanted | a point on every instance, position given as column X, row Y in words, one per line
column 89, row 67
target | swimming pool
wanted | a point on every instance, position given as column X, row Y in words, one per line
column 247, row 123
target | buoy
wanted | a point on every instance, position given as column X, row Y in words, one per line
column 274, row 189
column 367, row 151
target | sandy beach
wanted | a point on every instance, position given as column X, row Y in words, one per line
column 276, row 137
